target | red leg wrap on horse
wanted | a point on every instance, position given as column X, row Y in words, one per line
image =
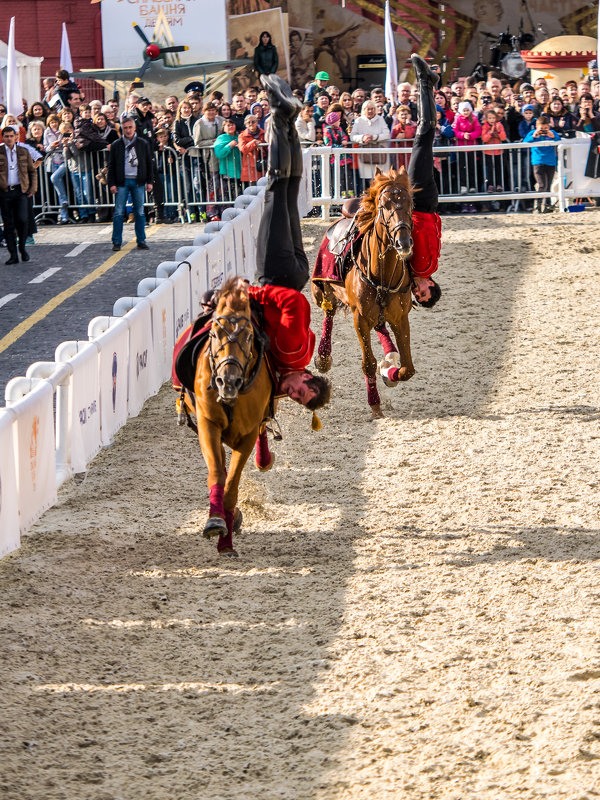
column 225, row 542
column 392, row 373
column 386, row 340
column 373, row 398
column 215, row 496
column 229, row 516
column 263, row 454
column 325, row 343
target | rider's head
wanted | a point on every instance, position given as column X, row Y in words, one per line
column 312, row 391
column 435, row 292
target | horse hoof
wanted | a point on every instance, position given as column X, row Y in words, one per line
column 229, row 552
column 265, row 467
column 215, row 526
column 237, row 521
column 376, row 413
column 323, row 363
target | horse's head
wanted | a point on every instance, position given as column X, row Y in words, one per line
column 387, row 206
column 231, row 339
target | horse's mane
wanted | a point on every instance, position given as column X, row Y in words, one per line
column 367, row 212
column 233, row 295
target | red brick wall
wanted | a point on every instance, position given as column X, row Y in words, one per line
column 38, row 30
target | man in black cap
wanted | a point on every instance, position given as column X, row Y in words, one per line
column 194, row 86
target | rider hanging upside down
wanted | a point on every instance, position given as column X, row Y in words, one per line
column 427, row 225
column 282, row 263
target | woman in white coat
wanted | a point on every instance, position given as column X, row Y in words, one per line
column 371, row 130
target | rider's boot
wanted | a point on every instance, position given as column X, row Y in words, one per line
column 284, row 108
column 427, row 80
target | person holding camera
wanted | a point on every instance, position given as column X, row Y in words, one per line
column 543, row 160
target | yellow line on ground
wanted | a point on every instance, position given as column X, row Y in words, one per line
column 21, row 329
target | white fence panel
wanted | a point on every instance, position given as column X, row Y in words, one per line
column 9, row 508
column 198, row 278
column 215, row 256
column 141, row 372
column 111, row 336
column 83, row 401
column 163, row 327
column 180, row 280
column 36, row 455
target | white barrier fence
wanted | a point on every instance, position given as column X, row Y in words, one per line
column 102, row 382
column 473, row 174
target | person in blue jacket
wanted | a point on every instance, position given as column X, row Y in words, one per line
column 528, row 122
column 543, row 160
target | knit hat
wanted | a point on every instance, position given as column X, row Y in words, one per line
column 333, row 116
column 528, row 107
column 321, row 76
column 465, row 106
column 254, row 106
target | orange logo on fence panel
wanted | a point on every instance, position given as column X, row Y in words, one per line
column 164, row 332
column 33, row 446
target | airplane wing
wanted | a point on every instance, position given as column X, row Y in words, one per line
column 185, row 70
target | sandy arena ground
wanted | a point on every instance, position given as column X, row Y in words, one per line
column 416, row 609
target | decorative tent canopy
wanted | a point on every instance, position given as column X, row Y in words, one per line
column 561, row 51
column 29, row 74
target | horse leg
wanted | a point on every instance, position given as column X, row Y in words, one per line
column 323, row 358
column 264, row 459
column 401, row 330
column 209, row 436
column 369, row 364
column 390, row 352
column 239, row 456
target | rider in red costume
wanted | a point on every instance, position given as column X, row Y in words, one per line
column 281, row 260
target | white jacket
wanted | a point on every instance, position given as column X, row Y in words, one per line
column 378, row 129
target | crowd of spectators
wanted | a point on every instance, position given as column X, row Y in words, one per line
column 213, row 146
column 469, row 112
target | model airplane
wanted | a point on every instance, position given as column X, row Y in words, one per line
column 155, row 68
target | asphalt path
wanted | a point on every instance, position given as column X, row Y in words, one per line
column 41, row 301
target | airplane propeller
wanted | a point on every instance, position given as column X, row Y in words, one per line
column 153, row 51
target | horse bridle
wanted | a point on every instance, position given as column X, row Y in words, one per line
column 240, row 324
column 383, row 250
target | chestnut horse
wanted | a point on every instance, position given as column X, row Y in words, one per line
column 377, row 287
column 233, row 389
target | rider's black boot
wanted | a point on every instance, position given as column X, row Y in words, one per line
column 427, row 80
column 284, row 110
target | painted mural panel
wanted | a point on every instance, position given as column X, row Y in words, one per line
column 341, row 35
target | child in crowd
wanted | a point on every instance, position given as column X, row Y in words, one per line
column 543, row 160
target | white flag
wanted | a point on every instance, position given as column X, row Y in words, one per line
column 14, row 95
column 65, row 51
column 391, row 72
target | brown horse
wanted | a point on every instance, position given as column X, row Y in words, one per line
column 377, row 287
column 233, row 389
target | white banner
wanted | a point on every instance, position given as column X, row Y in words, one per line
column 181, row 299
column 199, row 278
column 162, row 330
column 9, row 507
column 141, row 363
column 36, row 455
column 391, row 71
column 113, row 344
column 199, row 24
column 84, row 401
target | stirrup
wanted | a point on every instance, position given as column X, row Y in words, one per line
column 274, row 428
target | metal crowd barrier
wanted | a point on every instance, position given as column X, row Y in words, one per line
column 186, row 187
column 500, row 176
